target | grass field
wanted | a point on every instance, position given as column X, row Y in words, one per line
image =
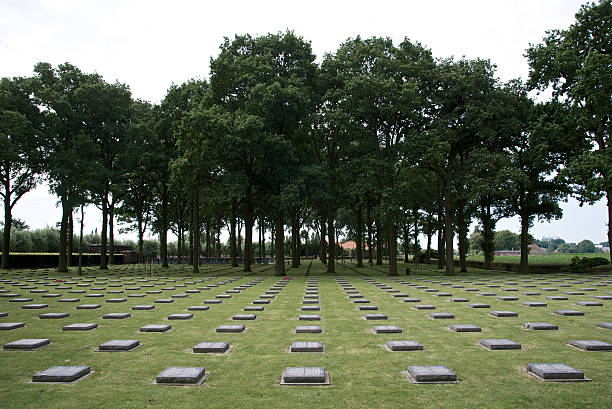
column 547, row 258
column 362, row 373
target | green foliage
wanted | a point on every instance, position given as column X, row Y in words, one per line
column 581, row 264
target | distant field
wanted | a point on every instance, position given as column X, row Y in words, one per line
column 547, row 258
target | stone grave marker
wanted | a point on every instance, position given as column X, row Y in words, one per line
column 504, row 313
column 116, row 316
column 211, row 347
column 309, row 346
column 155, row 328
column 465, row 328
column 304, row 376
column 231, row 328
column 116, row 345
column 591, row 345
column 386, row 329
column 430, row 374
column 62, row 374
column 79, row 327
column 26, row 344
column 54, row 315
column 404, row 346
column 540, row 326
column 176, row 375
column 568, row 313
column 555, row 372
column 143, row 307
column 499, row 344
column 308, row 329
column 7, row 326
column 440, row 315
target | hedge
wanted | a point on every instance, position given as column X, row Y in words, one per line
column 47, row 260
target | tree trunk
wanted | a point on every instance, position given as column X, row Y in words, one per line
column 140, row 239
column 391, row 244
column 279, row 226
column 295, row 238
column 8, row 221
column 196, row 231
column 331, row 239
column 239, row 222
column 429, row 234
column 219, row 242
column 207, row 226
column 191, row 230
column 179, row 245
column 111, row 233
column 80, row 270
column 488, row 235
column 248, row 234
column 406, row 242
column 369, row 244
column 379, row 242
column 232, row 232
column 322, row 242
column 609, row 198
column 441, row 222
column 66, row 210
column 103, row 242
column 163, row 234
column 524, row 267
column 449, row 232
column 70, row 239
column 416, row 251
column 462, row 232
column 359, row 233
column 263, row 236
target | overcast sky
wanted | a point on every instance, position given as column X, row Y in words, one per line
column 151, row 44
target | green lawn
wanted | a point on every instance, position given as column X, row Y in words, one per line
column 363, row 374
column 546, row 258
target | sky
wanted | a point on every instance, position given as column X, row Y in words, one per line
column 149, row 45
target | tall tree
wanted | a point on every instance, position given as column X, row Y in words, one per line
column 577, row 64
column 20, row 152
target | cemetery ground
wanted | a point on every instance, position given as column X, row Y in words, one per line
column 363, row 373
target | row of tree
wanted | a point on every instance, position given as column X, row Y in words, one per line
column 381, row 136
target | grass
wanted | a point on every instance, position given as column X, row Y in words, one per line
column 363, row 374
column 561, row 258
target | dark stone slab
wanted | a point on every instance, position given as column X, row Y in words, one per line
column 164, row 301
column 231, row 328
column 423, row 307
column 155, row 328
column 386, row 329
column 212, row 301
column 361, row 301
column 305, row 317
column 117, row 316
column 507, row 298
column 311, row 308
column 604, row 325
column 143, row 307
column 68, row 300
column 254, row 308
column 3, row 314
column 556, row 298
column 375, row 317
column 88, row 307
column 533, row 304
column 367, row 308
column 54, row 315
column 459, row 300
column 530, row 293
column 26, row 344
column 555, row 371
column 589, row 304
column 244, row 317
column 569, row 313
column 119, row 345
column 504, row 313
column 591, row 345
column 308, row 329
column 21, row 299
column 179, row 295
column 94, row 295
column 304, row 375
column 261, row 301
column 404, row 346
column 211, row 347
column 309, row 346
column 499, row 344
column 79, row 327
column 411, row 300
column 180, row 316
column 61, row 374
column 34, row 306
column 440, row 315
column 478, row 305
column 540, row 326
column 7, row 326
column 198, row 308
column 435, row 373
column 181, row 375
column 465, row 328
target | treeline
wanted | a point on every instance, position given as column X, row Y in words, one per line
column 380, row 140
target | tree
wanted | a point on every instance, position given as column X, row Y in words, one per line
column 20, row 152
column 586, row 246
column 56, row 92
column 577, row 64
